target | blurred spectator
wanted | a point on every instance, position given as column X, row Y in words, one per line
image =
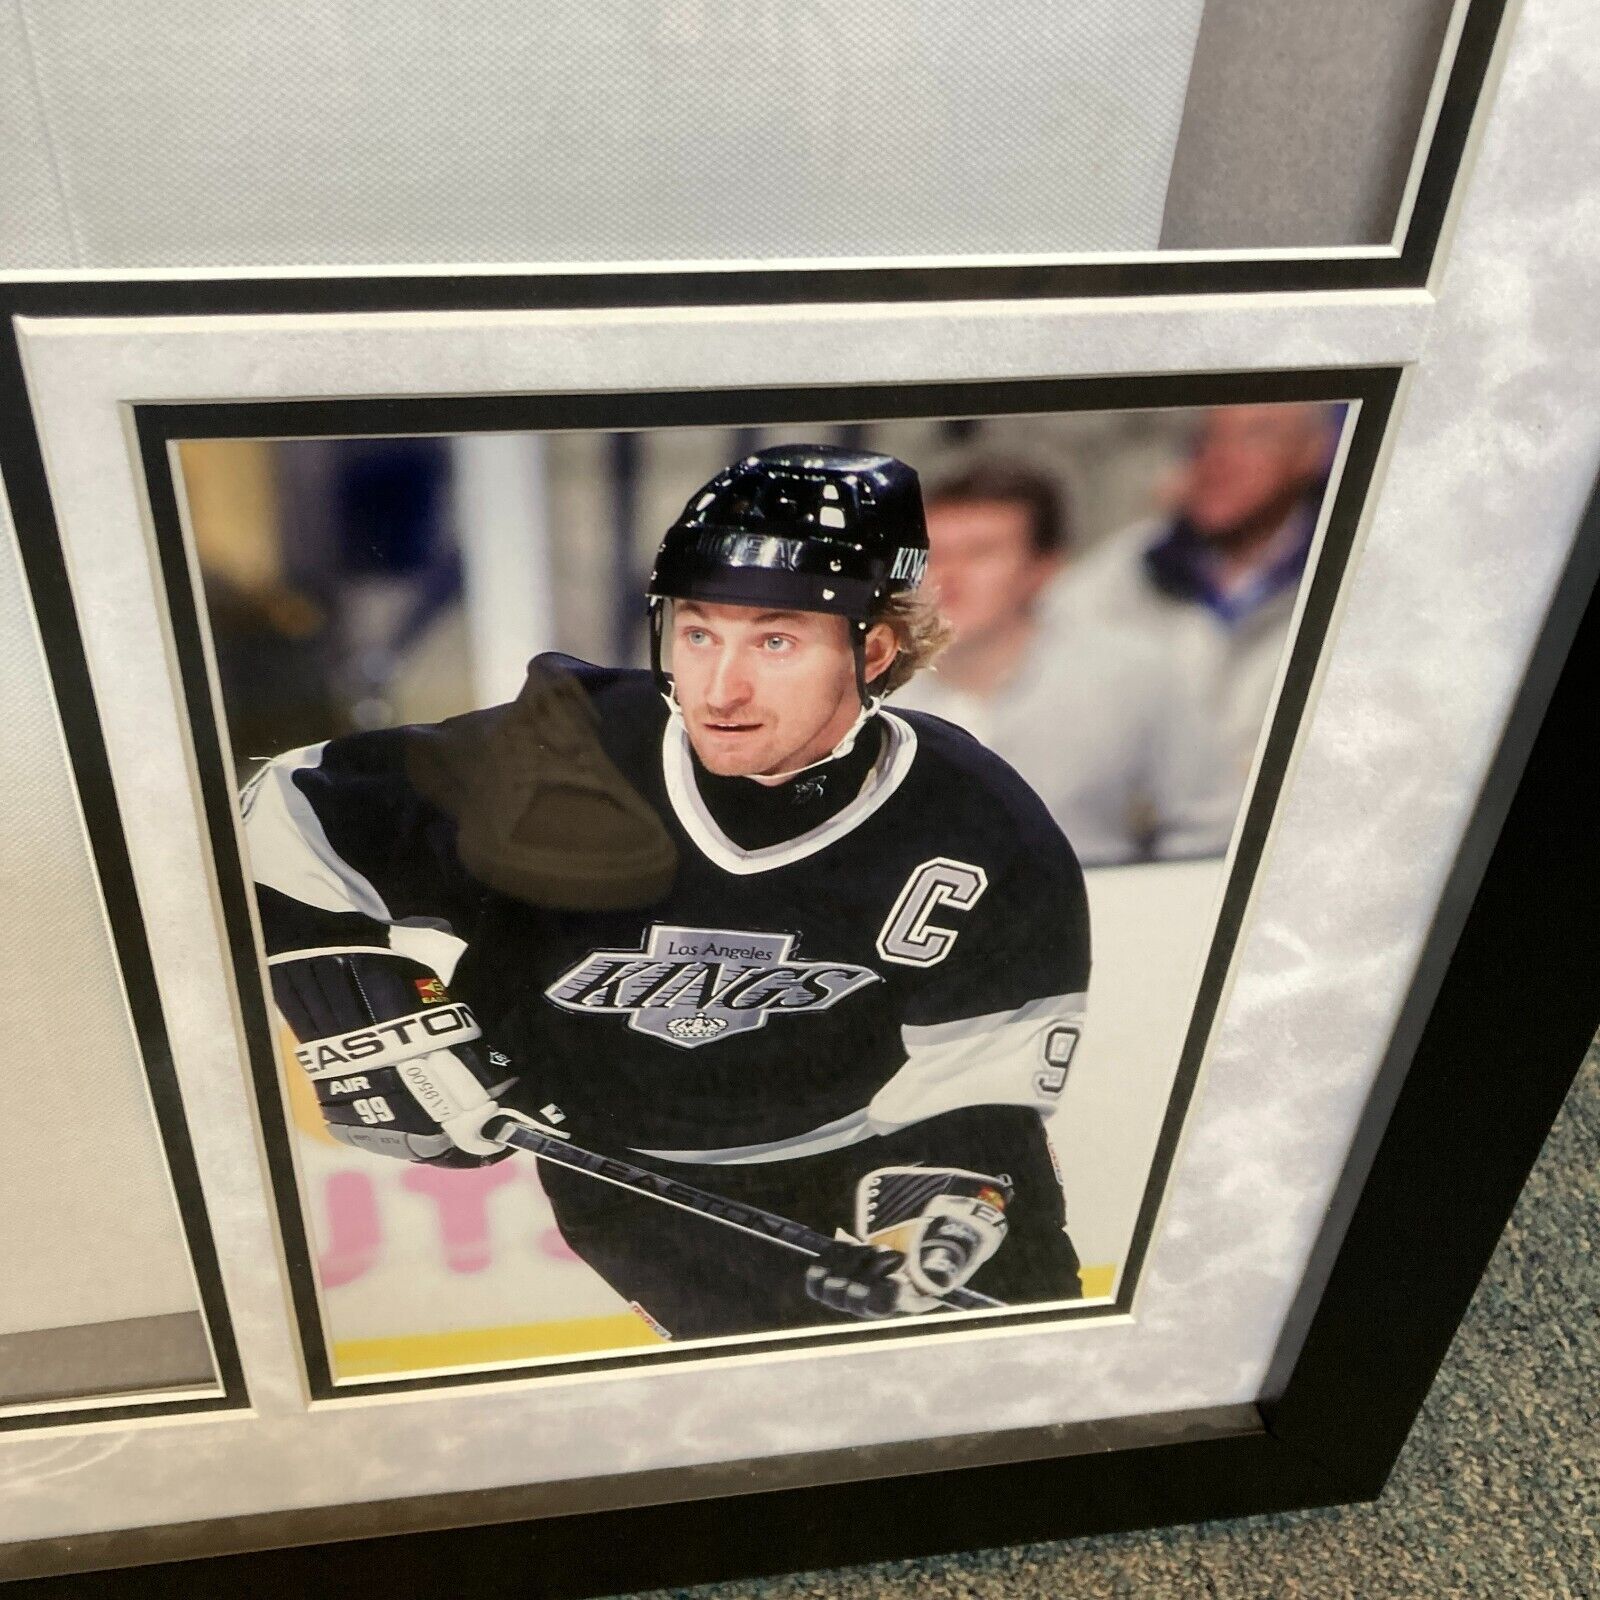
column 1067, row 707
column 1210, row 591
column 1129, row 685
column 997, row 537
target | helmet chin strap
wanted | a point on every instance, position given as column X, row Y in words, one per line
column 843, row 748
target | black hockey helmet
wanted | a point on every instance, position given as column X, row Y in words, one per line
column 805, row 527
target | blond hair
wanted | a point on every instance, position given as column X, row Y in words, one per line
column 920, row 629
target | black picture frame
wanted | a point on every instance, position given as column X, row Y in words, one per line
column 1443, row 1149
column 1442, row 1152
column 21, row 469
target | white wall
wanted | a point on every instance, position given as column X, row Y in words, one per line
column 1151, row 927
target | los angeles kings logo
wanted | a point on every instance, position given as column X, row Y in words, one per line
column 693, row 986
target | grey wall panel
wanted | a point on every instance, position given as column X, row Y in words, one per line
column 105, row 1358
column 1301, row 121
column 188, row 133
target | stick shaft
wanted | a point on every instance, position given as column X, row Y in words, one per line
column 670, row 1191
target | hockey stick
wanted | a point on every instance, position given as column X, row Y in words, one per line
column 749, row 1219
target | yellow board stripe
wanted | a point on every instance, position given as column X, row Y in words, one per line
column 1097, row 1281
column 367, row 1358
column 528, row 1341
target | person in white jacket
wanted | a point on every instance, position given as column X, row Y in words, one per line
column 1051, row 701
column 1208, row 593
column 1129, row 685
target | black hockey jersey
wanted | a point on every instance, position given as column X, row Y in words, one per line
column 922, row 950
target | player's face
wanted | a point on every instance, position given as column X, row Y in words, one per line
column 766, row 692
column 1251, row 463
column 982, row 562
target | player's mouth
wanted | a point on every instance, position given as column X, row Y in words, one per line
column 730, row 727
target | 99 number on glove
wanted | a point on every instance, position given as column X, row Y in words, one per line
column 373, row 1110
column 399, row 1067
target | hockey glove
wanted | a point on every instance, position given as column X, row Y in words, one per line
column 398, row 1066
column 920, row 1232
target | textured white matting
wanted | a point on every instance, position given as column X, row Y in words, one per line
column 1493, row 454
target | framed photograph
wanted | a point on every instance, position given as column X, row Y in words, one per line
column 753, row 925
column 671, row 974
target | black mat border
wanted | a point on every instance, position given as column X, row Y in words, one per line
column 454, row 290
column 161, row 426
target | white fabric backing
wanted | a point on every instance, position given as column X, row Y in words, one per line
column 184, row 133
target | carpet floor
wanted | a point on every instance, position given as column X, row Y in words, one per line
column 1497, row 1493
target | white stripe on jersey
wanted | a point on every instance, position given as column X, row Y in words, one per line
column 996, row 1059
column 888, row 773
column 1066, row 1008
column 830, row 1136
column 288, row 849
column 330, row 950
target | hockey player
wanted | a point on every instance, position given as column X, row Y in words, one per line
column 731, row 919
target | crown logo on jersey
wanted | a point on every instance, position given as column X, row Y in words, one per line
column 691, row 986
column 695, row 1029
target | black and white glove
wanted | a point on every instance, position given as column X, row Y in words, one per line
column 920, row 1232
column 399, row 1067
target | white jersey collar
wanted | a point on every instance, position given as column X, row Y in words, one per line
column 888, row 773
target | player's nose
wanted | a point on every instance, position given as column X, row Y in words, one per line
column 729, row 684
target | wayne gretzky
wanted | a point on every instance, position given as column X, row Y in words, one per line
column 731, row 919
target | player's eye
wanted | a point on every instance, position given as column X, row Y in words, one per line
column 694, row 636
column 774, row 643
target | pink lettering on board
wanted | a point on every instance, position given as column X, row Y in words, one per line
column 462, row 1196
column 550, row 1242
column 355, row 1234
